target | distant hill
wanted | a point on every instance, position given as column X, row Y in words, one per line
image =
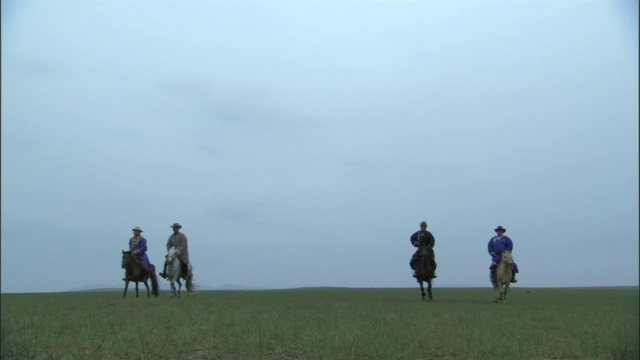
column 97, row 287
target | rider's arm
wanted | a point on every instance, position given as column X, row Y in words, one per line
column 414, row 240
column 432, row 241
column 142, row 246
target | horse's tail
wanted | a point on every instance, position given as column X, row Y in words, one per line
column 191, row 286
column 154, row 281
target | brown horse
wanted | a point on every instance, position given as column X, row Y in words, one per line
column 134, row 273
column 425, row 269
column 502, row 278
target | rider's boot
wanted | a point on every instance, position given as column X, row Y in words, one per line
column 513, row 278
column 163, row 273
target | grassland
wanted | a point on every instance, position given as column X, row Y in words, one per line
column 593, row 323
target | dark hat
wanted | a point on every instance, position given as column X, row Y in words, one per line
column 500, row 228
column 424, row 223
column 137, row 228
column 176, row 225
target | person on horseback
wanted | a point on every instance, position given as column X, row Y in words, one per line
column 425, row 237
column 179, row 240
column 496, row 246
column 138, row 248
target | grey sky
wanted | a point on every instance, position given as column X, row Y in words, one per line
column 301, row 143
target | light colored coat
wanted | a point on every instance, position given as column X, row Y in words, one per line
column 179, row 240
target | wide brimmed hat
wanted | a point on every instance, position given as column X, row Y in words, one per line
column 137, row 228
column 176, row 225
column 499, row 228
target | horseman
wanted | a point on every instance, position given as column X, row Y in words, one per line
column 138, row 248
column 497, row 245
column 179, row 240
column 423, row 237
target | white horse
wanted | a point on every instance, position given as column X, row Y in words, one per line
column 175, row 273
column 503, row 277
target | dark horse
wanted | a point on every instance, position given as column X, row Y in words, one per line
column 134, row 273
column 425, row 269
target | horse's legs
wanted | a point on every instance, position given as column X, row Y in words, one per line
column 136, row 289
column 126, row 286
column 422, row 289
column 147, row 286
column 496, row 290
column 504, row 292
column 179, row 286
column 429, row 290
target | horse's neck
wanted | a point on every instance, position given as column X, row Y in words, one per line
column 504, row 265
column 132, row 266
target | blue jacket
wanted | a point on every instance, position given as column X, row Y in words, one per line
column 141, row 247
column 497, row 245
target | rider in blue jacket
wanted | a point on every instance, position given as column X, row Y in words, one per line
column 138, row 248
column 496, row 246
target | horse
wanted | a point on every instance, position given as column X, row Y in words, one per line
column 425, row 269
column 175, row 272
column 134, row 273
column 502, row 279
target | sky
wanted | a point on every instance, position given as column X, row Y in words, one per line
column 300, row 144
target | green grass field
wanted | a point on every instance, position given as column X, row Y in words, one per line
column 326, row 323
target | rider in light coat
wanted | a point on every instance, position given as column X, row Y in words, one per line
column 179, row 240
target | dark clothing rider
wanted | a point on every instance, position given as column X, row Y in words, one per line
column 425, row 237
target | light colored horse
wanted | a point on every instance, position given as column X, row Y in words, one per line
column 503, row 277
column 425, row 270
column 175, row 273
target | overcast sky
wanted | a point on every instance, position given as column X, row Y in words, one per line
column 301, row 143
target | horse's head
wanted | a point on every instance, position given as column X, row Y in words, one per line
column 126, row 258
column 507, row 257
column 424, row 248
column 171, row 254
